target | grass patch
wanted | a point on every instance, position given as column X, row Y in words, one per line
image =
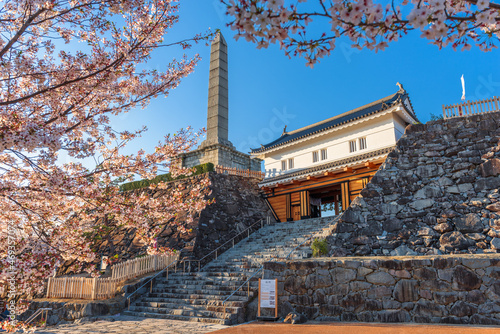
column 200, row 169
column 319, row 247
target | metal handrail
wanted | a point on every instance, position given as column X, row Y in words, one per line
column 247, row 230
column 151, row 280
column 194, row 260
column 276, row 259
column 232, row 239
column 238, row 289
column 37, row 313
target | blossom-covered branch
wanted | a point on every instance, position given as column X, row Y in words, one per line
column 310, row 28
column 67, row 67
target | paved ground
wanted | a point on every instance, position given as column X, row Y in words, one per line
column 353, row 328
column 133, row 325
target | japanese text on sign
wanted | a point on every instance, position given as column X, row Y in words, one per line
column 268, row 293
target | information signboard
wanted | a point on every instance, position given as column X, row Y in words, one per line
column 268, row 294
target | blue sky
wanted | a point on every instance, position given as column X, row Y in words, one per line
column 267, row 90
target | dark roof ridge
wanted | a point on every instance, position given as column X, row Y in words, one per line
column 352, row 115
column 352, row 111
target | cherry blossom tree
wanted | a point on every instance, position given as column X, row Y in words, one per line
column 67, row 68
column 311, row 28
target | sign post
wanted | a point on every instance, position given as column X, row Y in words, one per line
column 268, row 296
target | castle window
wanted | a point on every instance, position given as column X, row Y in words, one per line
column 290, row 163
column 283, row 165
column 352, row 146
column 362, row 143
column 315, row 156
column 323, row 154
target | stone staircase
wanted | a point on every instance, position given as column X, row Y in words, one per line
column 199, row 296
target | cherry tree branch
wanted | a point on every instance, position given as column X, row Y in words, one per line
column 20, row 32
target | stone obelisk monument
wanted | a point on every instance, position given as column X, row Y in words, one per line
column 217, row 113
column 217, row 148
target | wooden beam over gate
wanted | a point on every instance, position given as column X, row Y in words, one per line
column 370, row 165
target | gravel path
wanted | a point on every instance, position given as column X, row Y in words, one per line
column 133, row 325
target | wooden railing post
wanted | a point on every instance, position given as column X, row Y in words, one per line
column 82, row 282
column 240, row 172
column 94, row 288
column 90, row 288
column 471, row 108
column 64, row 288
column 48, row 287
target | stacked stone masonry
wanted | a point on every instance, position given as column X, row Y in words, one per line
column 237, row 205
column 455, row 289
column 220, row 155
column 436, row 193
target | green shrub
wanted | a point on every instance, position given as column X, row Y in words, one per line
column 319, row 247
column 200, row 169
column 436, row 117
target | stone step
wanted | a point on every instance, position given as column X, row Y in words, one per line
column 240, row 276
column 198, row 280
column 188, row 307
column 180, row 317
column 239, row 295
column 202, row 287
column 238, row 267
column 198, row 313
column 244, row 270
column 211, row 274
column 159, row 297
column 199, row 296
column 199, row 292
column 235, row 260
column 148, row 301
column 192, row 311
column 225, row 280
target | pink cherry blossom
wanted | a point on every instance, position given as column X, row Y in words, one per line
column 68, row 67
column 364, row 22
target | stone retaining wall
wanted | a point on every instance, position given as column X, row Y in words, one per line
column 238, row 204
column 436, row 193
column 458, row 289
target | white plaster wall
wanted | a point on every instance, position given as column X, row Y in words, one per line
column 399, row 126
column 380, row 132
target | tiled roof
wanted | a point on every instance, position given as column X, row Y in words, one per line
column 330, row 123
column 328, row 166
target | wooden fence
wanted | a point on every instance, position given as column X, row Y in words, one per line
column 81, row 288
column 140, row 266
column 471, row 108
column 239, row 172
column 104, row 288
